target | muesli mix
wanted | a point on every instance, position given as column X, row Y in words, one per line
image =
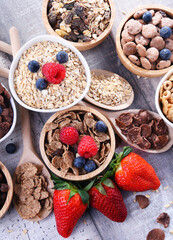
column 77, row 142
column 166, row 98
column 79, row 21
column 143, row 129
column 49, row 75
column 6, row 112
column 147, row 39
column 109, row 90
column 30, row 191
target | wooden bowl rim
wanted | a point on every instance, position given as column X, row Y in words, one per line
column 85, row 45
column 125, row 61
column 124, row 138
column 104, row 106
column 10, row 191
column 99, row 169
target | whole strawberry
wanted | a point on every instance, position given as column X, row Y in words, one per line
column 133, row 173
column 107, row 199
column 69, row 205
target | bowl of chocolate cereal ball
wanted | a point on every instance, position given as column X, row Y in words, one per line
column 84, row 23
column 77, row 144
column 6, row 189
column 144, row 40
column 48, row 74
column 8, row 113
column 164, row 98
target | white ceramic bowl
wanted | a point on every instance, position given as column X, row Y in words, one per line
column 28, row 45
column 14, row 118
column 157, row 98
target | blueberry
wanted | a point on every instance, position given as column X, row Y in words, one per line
column 62, row 57
column 90, row 166
column 101, row 126
column 165, row 32
column 33, row 66
column 41, row 84
column 165, row 54
column 11, row 148
column 1, row 110
column 147, row 17
column 79, row 162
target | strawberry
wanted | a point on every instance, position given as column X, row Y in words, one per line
column 132, row 173
column 107, row 199
column 69, row 205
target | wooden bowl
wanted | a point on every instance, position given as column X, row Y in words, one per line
column 10, row 190
column 88, row 175
column 84, row 45
column 125, row 61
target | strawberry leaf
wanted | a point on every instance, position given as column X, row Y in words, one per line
column 101, row 188
column 84, row 195
column 89, row 186
column 108, row 182
column 72, row 193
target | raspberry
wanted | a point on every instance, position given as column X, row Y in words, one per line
column 87, row 147
column 69, row 135
column 54, row 72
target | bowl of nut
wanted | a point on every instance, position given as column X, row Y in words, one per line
column 8, row 113
column 164, row 98
column 77, row 144
column 85, row 24
column 144, row 40
column 48, row 74
column 6, row 189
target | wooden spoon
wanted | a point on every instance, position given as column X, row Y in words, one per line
column 98, row 72
column 112, row 115
column 29, row 154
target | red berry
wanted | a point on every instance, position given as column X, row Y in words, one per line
column 87, row 147
column 54, row 72
column 69, row 135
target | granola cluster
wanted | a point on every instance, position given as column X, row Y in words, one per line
column 111, row 90
column 79, row 21
column 62, row 155
column 55, row 95
column 31, row 195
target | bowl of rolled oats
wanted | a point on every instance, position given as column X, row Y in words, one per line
column 48, row 74
column 84, row 23
column 164, row 98
column 77, row 144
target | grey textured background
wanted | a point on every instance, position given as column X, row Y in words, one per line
column 26, row 16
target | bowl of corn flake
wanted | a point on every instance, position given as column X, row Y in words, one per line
column 164, row 98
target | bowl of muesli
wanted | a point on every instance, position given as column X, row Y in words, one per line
column 48, row 74
column 77, row 144
column 84, row 23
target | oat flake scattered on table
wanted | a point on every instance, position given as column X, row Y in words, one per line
column 56, row 95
